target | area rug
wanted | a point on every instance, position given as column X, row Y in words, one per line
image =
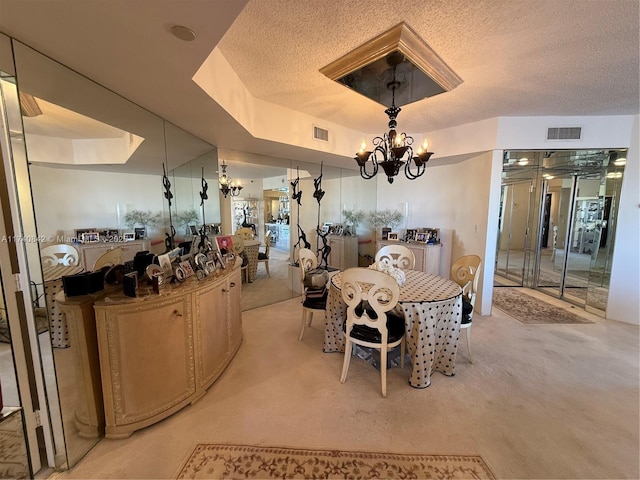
column 210, row 461
column 528, row 309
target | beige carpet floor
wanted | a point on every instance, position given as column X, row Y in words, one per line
column 241, row 461
column 539, row 401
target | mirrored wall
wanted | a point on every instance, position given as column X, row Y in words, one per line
column 91, row 161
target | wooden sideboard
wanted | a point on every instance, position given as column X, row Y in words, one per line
column 157, row 353
column 344, row 251
column 427, row 256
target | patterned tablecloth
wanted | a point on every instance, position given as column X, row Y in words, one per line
column 251, row 248
column 53, row 284
column 432, row 307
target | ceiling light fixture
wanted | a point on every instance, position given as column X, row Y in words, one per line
column 228, row 186
column 393, row 150
column 183, row 33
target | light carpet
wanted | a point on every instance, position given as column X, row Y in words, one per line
column 528, row 309
column 213, row 461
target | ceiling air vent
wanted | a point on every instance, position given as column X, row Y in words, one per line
column 321, row 134
column 564, row 133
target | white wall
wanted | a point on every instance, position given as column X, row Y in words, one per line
column 624, row 289
column 67, row 199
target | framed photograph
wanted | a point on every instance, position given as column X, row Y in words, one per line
column 187, row 268
column 194, row 230
column 410, row 235
column 140, row 233
column 210, row 267
column 225, row 244
column 422, row 237
column 165, row 265
column 433, row 235
column 129, row 236
column 393, row 236
column 326, row 227
column 385, row 233
column 90, row 237
column 220, row 260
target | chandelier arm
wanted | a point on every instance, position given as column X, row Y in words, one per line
column 420, row 170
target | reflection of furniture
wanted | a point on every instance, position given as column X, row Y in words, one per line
column 109, row 259
column 373, row 326
column 313, row 299
column 159, row 353
column 397, row 256
column 89, row 406
column 61, row 254
column 52, row 277
column 427, row 256
column 263, row 257
column 466, row 272
column 90, row 252
column 251, row 250
column 239, row 251
column 344, row 251
column 14, row 461
column 246, row 233
column 432, row 307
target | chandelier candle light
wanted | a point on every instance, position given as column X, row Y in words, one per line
column 228, row 186
column 393, row 149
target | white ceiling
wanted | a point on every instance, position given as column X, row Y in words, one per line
column 516, row 57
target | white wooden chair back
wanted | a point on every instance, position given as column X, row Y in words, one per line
column 398, row 256
column 108, row 259
column 61, row 254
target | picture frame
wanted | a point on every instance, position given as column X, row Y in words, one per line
column 140, row 233
column 194, row 230
column 187, row 268
column 129, row 236
column 385, row 233
column 422, row 237
column 326, row 227
column 210, row 267
column 410, row 234
column 220, row 260
column 393, row 237
column 224, row 244
column 90, row 237
column 165, row 264
column 433, row 235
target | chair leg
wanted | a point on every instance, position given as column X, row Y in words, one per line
column 304, row 321
column 347, row 359
column 383, row 371
column 266, row 264
column 402, row 352
column 310, row 313
column 469, row 343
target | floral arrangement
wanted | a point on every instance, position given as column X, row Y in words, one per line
column 353, row 217
column 385, row 218
column 386, row 267
column 188, row 217
column 143, row 218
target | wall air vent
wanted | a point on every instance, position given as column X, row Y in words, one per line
column 320, row 134
column 564, row 133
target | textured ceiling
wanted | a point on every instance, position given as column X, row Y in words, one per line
column 516, row 58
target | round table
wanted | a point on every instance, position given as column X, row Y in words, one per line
column 432, row 307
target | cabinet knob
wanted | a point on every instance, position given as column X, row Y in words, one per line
column 225, row 290
column 233, row 284
column 177, row 313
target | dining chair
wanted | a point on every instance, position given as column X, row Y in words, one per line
column 60, row 254
column 398, row 256
column 370, row 295
column 246, row 233
column 108, row 259
column 263, row 257
column 314, row 299
column 465, row 271
column 238, row 251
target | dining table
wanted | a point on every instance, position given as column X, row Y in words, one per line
column 52, row 278
column 432, row 308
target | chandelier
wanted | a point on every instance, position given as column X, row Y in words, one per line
column 393, row 150
column 228, row 186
